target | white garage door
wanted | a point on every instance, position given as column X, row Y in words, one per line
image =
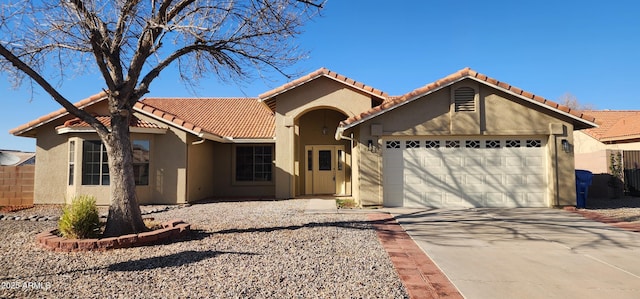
column 464, row 172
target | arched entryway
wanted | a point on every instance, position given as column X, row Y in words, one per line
column 324, row 166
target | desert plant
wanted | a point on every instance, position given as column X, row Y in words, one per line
column 615, row 168
column 80, row 220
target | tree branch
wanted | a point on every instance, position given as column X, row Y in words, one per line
column 19, row 64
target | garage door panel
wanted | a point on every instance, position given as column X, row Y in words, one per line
column 475, row 172
column 534, row 161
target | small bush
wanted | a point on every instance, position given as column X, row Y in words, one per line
column 151, row 224
column 80, row 220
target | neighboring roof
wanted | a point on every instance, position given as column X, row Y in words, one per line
column 586, row 121
column 56, row 115
column 269, row 97
column 16, row 158
column 228, row 118
column 615, row 125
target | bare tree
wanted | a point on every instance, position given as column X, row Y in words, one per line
column 571, row 101
column 130, row 42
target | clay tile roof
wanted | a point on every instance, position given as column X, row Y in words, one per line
column 56, row 114
column 268, row 97
column 106, row 120
column 239, row 118
column 455, row 77
column 615, row 125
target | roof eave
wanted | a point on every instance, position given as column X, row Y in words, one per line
column 229, row 139
column 588, row 124
column 67, row 130
column 16, row 132
column 261, row 99
column 408, row 100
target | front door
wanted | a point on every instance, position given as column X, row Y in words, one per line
column 324, row 169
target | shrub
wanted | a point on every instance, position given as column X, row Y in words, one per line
column 80, row 220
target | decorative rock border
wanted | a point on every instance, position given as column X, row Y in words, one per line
column 29, row 218
column 11, row 209
column 171, row 229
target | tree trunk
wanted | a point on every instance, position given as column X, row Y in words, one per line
column 124, row 212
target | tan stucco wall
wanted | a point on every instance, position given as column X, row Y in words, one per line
column 200, row 169
column 290, row 106
column 498, row 114
column 52, row 166
column 223, row 181
column 591, row 154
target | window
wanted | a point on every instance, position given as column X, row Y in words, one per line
column 324, row 160
column 534, row 143
column 393, row 144
column 254, row 163
column 432, row 144
column 452, row 144
column 412, row 144
column 492, row 143
column 513, row 143
column 472, row 144
column 464, row 99
column 72, row 157
column 95, row 166
column 141, row 162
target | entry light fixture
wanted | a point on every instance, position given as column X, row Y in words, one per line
column 370, row 145
column 324, row 130
column 566, row 146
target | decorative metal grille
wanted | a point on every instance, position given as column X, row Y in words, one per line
column 452, row 144
column 412, row 144
column 513, row 143
column 492, row 143
column 472, row 144
column 534, row 143
column 393, row 144
column 432, row 144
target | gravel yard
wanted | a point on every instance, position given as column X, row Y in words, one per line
column 238, row 250
column 623, row 209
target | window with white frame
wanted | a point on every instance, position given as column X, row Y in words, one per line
column 72, row 157
column 141, row 162
column 95, row 166
column 254, row 163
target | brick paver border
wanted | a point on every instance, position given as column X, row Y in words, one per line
column 171, row 229
column 419, row 274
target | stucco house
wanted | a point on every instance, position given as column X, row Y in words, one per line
column 466, row 140
column 618, row 132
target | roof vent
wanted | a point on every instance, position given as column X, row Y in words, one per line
column 464, row 99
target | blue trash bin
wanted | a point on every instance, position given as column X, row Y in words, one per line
column 583, row 181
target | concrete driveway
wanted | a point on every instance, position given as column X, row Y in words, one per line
column 527, row 252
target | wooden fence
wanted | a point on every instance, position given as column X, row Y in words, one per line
column 16, row 185
column 632, row 171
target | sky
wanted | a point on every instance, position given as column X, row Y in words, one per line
column 589, row 49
